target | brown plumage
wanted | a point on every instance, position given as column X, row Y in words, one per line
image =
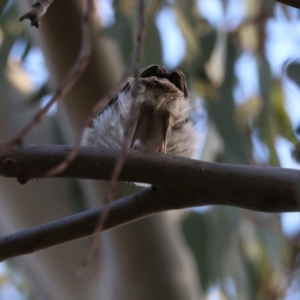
column 163, row 115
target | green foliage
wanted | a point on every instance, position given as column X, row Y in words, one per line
column 122, row 32
column 293, row 71
column 222, row 110
column 229, row 245
column 244, row 248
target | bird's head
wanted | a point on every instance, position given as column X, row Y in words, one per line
column 157, row 85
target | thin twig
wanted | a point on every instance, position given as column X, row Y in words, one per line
column 128, row 132
column 67, row 83
column 140, row 33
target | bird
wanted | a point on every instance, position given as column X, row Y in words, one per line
column 162, row 123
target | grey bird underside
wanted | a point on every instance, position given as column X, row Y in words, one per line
column 162, row 123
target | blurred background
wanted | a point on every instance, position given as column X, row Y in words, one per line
column 242, row 66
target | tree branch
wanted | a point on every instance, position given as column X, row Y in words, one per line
column 180, row 183
column 122, row 211
column 293, row 3
column 199, row 183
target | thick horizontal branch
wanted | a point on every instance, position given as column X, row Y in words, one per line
column 179, row 183
column 190, row 182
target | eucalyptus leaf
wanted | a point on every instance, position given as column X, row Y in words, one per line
column 209, row 236
column 268, row 7
column 2, row 6
column 197, row 234
column 266, row 121
column 235, row 268
column 296, row 153
column 222, row 110
column 197, row 66
column 293, row 71
column 298, row 130
column 280, row 115
column 190, row 36
column 122, row 32
column 206, row 40
column 189, row 9
column 271, row 244
column 26, row 50
column 152, row 47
